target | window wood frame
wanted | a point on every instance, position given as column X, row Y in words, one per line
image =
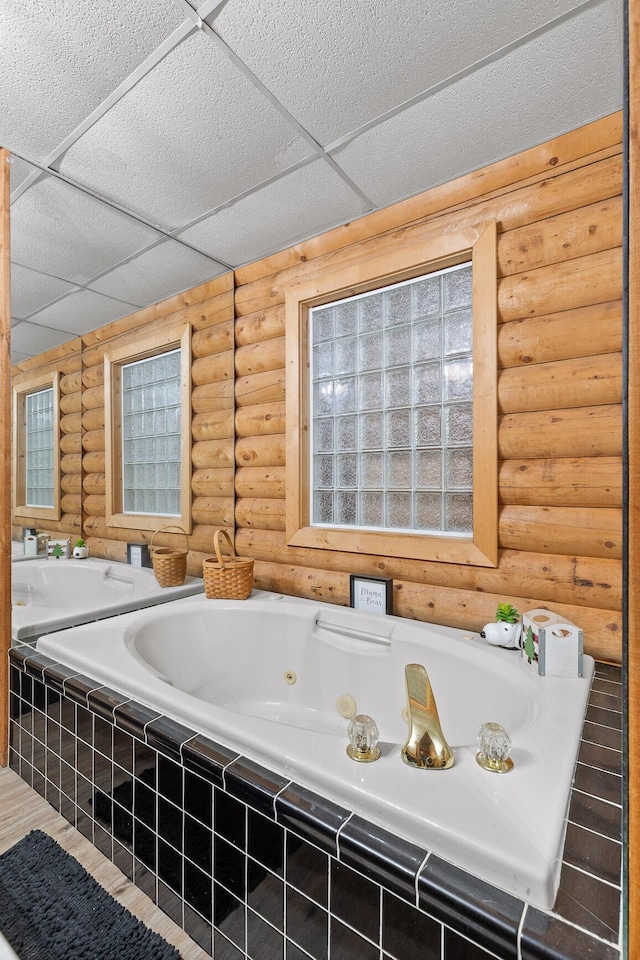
column 171, row 337
column 471, row 243
column 26, row 387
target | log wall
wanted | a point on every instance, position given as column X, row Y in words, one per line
column 67, row 361
column 209, row 310
column 559, row 215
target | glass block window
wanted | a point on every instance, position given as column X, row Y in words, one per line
column 151, row 410
column 392, row 414
column 39, row 449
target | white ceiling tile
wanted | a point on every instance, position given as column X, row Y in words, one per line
column 31, row 290
column 82, row 311
column 60, row 230
column 30, row 339
column 336, row 65
column 301, row 204
column 19, row 170
column 168, row 268
column 189, row 136
column 59, row 61
column 563, row 79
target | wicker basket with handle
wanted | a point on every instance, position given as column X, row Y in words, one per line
column 169, row 563
column 227, row 578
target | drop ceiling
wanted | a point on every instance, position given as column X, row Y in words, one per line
column 157, row 143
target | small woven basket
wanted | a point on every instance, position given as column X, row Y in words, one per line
column 169, row 563
column 227, row 578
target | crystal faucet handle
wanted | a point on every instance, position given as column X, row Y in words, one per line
column 363, row 739
column 494, row 747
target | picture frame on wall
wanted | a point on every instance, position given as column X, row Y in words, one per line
column 371, row 594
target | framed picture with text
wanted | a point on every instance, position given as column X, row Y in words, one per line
column 372, row 594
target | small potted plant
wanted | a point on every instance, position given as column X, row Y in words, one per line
column 80, row 550
column 506, row 630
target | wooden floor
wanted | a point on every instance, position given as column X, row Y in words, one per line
column 23, row 810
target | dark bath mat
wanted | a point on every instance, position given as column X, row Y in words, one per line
column 52, row 909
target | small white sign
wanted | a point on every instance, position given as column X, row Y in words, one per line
column 373, row 594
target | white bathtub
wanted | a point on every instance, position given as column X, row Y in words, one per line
column 52, row 594
column 219, row 667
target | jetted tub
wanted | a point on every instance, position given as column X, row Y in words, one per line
column 225, row 668
column 52, row 594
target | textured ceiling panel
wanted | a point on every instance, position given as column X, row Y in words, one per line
column 60, row 59
column 19, row 170
column 337, row 65
column 30, row 290
column 61, row 230
column 560, row 81
column 162, row 271
column 299, row 205
column 30, row 339
column 191, row 135
column 81, row 312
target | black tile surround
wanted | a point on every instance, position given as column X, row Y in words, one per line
column 253, row 866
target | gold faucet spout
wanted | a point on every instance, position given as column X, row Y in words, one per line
column 426, row 746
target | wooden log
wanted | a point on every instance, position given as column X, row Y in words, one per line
column 68, row 524
column 264, row 514
column 71, row 463
column 213, row 426
column 582, row 432
column 94, row 462
column 71, row 403
column 576, row 233
column 114, row 550
column 212, row 340
column 130, row 330
column 214, row 310
column 93, row 376
column 266, row 387
column 553, row 337
column 94, row 505
column 261, row 420
column 260, row 326
column 212, row 369
column 561, row 286
column 71, row 483
column 261, row 482
column 71, row 443
column 182, row 307
column 545, row 197
column 93, row 440
column 529, row 204
column 565, row 481
column 212, row 453
column 602, row 629
column 71, row 423
column 71, row 383
column 582, row 531
column 561, row 384
column 212, row 483
column 93, row 419
column 265, row 451
column 94, row 483
column 201, row 540
column 213, row 511
column 258, row 357
column 543, row 163
column 212, row 396
column 462, row 609
column 71, row 503
column 93, row 397
column 588, row 581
